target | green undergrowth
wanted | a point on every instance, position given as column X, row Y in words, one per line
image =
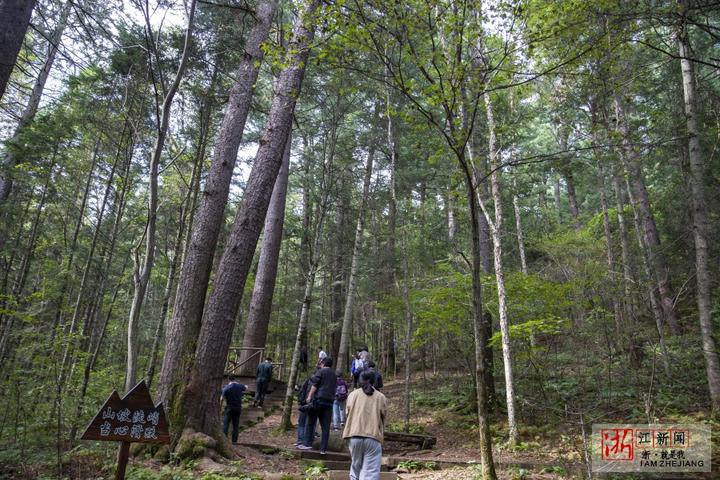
column 413, row 428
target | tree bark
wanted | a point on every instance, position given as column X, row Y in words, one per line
column 701, row 230
column 14, row 22
column 654, row 302
column 572, row 197
column 388, row 335
column 479, row 331
column 496, row 226
column 258, row 320
column 185, row 323
column 651, row 240
column 200, row 395
column 408, row 336
column 518, row 227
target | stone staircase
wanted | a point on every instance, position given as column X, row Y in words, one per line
column 274, row 398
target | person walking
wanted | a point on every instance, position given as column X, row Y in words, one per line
column 232, row 393
column 263, row 376
column 321, row 355
column 341, row 394
column 302, row 412
column 321, row 397
column 364, row 428
column 355, row 368
column 370, row 367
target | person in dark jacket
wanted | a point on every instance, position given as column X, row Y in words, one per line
column 232, row 393
column 263, row 376
column 378, row 378
column 302, row 415
column 321, row 396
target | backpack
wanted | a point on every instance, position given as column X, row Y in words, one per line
column 341, row 391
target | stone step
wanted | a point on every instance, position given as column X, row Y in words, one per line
column 343, row 475
column 315, row 455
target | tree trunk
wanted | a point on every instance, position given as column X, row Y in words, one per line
column 408, row 336
column 610, row 254
column 258, row 320
column 572, row 198
column 556, row 195
column 141, row 275
column 28, row 114
column 451, row 220
column 200, row 396
column 496, row 229
column 352, row 280
column 285, row 423
column 654, row 303
column 20, row 281
column 388, row 336
column 479, row 332
column 14, row 22
column 185, row 323
column 651, row 241
column 518, row 228
column 311, row 261
column 169, row 283
column 701, row 230
column 81, row 296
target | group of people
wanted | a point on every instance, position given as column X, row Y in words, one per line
column 325, row 398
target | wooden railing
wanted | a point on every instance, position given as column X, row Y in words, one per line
column 235, row 362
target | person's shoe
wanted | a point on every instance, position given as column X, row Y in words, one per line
column 303, row 447
column 322, row 452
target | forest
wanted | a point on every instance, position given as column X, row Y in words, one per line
column 510, row 203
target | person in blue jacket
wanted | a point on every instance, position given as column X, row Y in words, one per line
column 232, row 393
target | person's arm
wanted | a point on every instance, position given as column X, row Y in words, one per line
column 312, row 391
column 222, row 393
column 315, row 384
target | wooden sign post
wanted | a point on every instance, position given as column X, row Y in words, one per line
column 133, row 418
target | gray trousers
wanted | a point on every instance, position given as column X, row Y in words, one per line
column 366, row 456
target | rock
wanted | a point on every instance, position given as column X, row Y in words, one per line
column 335, row 443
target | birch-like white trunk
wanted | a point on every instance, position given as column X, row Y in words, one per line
column 701, row 230
column 495, row 225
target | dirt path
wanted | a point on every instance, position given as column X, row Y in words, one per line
column 453, row 445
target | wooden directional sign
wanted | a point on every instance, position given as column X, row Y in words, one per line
column 133, row 418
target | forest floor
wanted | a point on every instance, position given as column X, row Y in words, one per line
column 455, row 452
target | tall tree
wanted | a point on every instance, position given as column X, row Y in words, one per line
column 14, row 22
column 143, row 270
column 354, row 264
column 200, row 395
column 701, row 232
column 256, row 327
column 183, row 327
